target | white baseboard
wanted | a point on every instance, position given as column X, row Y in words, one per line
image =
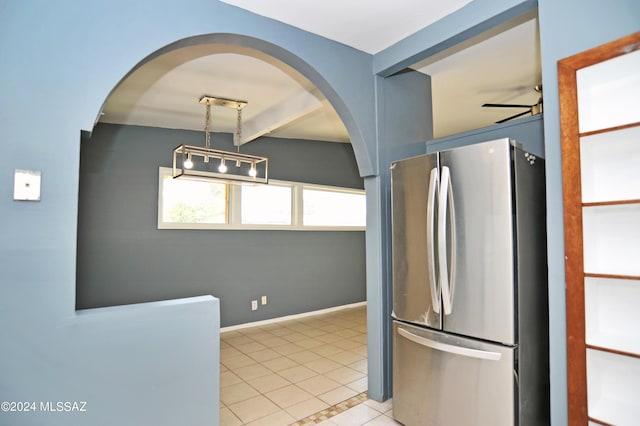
column 291, row 317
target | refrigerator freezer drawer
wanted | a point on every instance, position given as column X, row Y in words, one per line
column 444, row 380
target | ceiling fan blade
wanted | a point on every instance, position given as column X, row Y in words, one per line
column 506, row 106
column 513, row 116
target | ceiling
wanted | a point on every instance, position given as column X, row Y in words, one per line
column 501, row 66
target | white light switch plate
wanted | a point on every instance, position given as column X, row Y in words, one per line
column 26, row 185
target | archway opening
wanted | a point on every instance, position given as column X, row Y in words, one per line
column 124, row 258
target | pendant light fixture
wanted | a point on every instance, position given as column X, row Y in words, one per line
column 190, row 161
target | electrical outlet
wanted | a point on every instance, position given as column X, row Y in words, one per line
column 264, row 300
column 254, row 305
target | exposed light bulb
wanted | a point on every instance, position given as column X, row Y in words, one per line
column 188, row 164
column 222, row 168
column 253, row 172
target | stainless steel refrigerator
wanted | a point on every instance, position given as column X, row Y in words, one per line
column 470, row 311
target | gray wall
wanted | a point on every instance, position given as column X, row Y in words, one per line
column 528, row 132
column 123, row 258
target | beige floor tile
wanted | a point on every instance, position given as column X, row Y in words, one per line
column 274, row 342
column 252, row 371
column 295, row 337
column 288, row 396
column 281, row 363
column 264, row 355
column 337, row 395
column 279, row 373
column 299, row 326
column 347, row 344
column 227, row 418
column 344, row 375
column 330, row 328
column 322, row 365
column 318, row 385
column 327, row 349
column 250, row 347
column 229, row 334
column 254, row 408
column 262, row 336
column 310, row 343
column 360, row 350
column 345, row 357
column 253, row 332
column 237, row 361
column 235, row 393
column 229, row 352
column 306, row 408
column 326, row 423
column 303, row 357
column 330, row 338
column 228, row 378
column 359, row 385
column 345, row 333
column 382, row 407
column 358, row 415
column 297, row 374
column 361, row 339
column 360, row 366
column 314, row 332
column 268, row 383
column 280, row 331
column 281, row 418
column 270, row 327
column 288, row 349
column 238, row 340
column 382, row 420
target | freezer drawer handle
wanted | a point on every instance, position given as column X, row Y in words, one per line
column 431, row 256
column 459, row 350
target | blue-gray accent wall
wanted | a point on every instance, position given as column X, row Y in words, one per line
column 123, row 258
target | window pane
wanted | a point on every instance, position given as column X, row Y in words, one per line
column 333, row 208
column 193, row 201
column 266, row 205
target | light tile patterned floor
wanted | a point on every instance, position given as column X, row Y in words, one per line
column 308, row 371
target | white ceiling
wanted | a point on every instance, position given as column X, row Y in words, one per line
column 367, row 25
column 501, row 66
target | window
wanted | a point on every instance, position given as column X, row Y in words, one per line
column 323, row 207
column 206, row 204
column 193, row 201
column 266, row 204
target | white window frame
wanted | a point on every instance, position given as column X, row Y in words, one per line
column 234, row 208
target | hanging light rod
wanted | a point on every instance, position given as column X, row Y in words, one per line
column 192, row 161
column 223, row 102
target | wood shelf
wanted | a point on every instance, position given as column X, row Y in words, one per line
column 600, row 422
column 613, row 351
column 610, row 203
column 611, row 129
column 611, row 276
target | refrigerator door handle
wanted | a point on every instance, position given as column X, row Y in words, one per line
column 444, row 347
column 445, row 204
column 431, row 256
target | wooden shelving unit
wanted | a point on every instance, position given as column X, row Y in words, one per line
column 600, row 131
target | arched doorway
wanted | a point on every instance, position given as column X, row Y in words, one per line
column 207, row 49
